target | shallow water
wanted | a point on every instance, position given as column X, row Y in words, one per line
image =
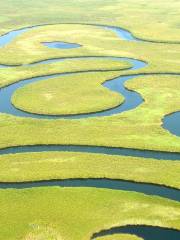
column 10, row 36
column 123, row 34
column 172, row 123
column 61, row 45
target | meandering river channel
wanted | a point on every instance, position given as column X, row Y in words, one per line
column 132, row 100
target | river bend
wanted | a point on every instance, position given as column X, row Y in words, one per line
column 132, row 100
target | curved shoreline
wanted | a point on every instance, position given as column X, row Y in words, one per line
column 146, row 232
column 124, row 34
column 7, row 91
column 113, row 184
column 160, row 155
column 119, row 81
column 110, row 27
column 136, row 100
column 106, row 112
column 132, row 99
column 171, row 122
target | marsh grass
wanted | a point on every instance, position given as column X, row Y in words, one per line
column 71, row 94
column 75, row 214
column 138, row 128
column 144, row 18
column 78, row 213
column 66, row 165
column 119, row 237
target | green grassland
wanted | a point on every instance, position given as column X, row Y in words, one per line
column 75, row 214
column 155, row 20
column 95, row 41
column 138, row 128
column 54, row 213
column 66, row 165
column 125, row 132
column 80, row 93
column 120, row 237
column 47, row 233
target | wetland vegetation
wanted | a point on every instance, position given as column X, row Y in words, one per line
column 128, row 42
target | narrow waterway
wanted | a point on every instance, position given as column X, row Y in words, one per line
column 146, row 188
column 145, row 232
column 132, row 100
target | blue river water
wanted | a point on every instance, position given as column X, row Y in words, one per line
column 146, row 188
column 61, row 45
column 145, row 232
column 172, row 123
column 132, row 100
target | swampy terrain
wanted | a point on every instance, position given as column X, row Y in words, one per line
column 90, row 120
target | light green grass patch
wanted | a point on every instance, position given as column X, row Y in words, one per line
column 138, row 128
column 78, row 213
column 71, row 94
column 41, row 232
column 95, row 41
column 145, row 17
column 61, row 212
column 15, row 74
column 120, row 237
column 62, row 165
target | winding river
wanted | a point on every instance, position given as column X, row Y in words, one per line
column 146, row 188
column 145, row 232
column 132, row 100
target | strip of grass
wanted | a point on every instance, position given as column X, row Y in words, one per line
column 15, row 74
column 48, row 233
column 95, row 41
column 120, row 237
column 78, row 213
column 64, row 165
